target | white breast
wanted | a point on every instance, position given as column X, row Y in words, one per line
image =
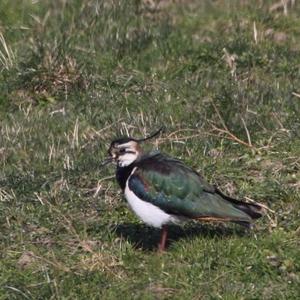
column 147, row 212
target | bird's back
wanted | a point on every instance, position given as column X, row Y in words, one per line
column 178, row 190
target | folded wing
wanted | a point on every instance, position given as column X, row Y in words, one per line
column 178, row 190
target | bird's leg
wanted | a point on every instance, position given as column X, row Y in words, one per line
column 163, row 238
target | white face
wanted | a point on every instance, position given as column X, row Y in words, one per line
column 125, row 154
column 126, row 159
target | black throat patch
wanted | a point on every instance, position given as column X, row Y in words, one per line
column 122, row 175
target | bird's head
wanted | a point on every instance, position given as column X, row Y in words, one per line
column 125, row 151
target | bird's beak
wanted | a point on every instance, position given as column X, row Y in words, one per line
column 106, row 161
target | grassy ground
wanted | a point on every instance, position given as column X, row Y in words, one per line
column 221, row 76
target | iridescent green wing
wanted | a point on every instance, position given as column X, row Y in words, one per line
column 178, row 190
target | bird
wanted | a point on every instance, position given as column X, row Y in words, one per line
column 162, row 190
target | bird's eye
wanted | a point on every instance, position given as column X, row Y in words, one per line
column 122, row 150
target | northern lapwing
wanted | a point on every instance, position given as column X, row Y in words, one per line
column 162, row 190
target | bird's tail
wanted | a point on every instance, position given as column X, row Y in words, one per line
column 254, row 210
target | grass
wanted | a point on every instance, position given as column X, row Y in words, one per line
column 221, row 76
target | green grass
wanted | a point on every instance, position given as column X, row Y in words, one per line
column 76, row 74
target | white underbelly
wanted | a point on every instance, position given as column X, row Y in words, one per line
column 147, row 212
